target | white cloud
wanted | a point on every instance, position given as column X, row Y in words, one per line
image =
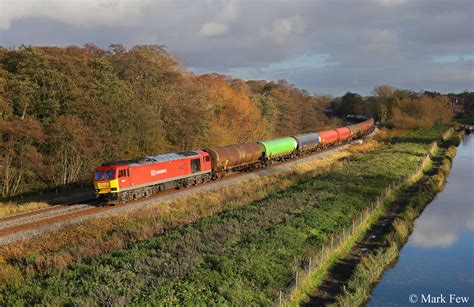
column 381, row 42
column 81, row 13
column 220, row 25
column 230, row 12
column 285, row 29
column 213, row 29
column 390, row 2
column 427, row 239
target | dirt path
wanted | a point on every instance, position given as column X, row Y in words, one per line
column 374, row 239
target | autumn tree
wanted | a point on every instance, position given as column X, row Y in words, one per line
column 421, row 112
column 70, row 149
column 20, row 161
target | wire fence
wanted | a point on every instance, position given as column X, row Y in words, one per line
column 337, row 240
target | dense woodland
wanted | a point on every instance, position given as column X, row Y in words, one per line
column 65, row 110
column 396, row 108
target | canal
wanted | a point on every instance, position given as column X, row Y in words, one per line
column 437, row 263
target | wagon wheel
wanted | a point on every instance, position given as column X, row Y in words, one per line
column 185, row 183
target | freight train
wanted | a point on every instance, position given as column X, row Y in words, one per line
column 119, row 181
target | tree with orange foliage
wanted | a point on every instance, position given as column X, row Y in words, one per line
column 19, row 157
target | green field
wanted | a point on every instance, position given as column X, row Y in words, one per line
column 242, row 256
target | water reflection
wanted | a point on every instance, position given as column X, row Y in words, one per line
column 450, row 213
column 439, row 256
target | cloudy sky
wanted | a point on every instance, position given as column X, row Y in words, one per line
column 326, row 47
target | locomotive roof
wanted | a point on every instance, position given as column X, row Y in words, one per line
column 154, row 159
column 165, row 157
column 117, row 163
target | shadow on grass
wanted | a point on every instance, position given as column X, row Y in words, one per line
column 411, row 139
column 53, row 196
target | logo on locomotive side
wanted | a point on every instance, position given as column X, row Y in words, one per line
column 157, row 172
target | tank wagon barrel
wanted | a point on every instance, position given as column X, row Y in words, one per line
column 231, row 156
column 355, row 129
column 328, row 137
column 344, row 133
column 361, row 128
column 278, row 147
column 307, row 141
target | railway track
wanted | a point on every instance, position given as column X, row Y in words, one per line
column 29, row 224
column 70, row 214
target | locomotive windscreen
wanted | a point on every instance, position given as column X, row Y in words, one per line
column 105, row 175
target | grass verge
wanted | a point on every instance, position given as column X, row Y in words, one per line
column 10, row 208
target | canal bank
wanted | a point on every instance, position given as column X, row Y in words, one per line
column 350, row 280
column 437, row 260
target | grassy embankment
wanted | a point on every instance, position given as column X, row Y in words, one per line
column 241, row 256
column 424, row 190
column 10, row 208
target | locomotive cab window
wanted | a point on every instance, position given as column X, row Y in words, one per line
column 196, row 165
column 104, row 175
column 207, row 159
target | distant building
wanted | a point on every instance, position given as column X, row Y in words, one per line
column 457, row 105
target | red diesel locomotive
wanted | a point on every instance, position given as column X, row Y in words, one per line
column 131, row 179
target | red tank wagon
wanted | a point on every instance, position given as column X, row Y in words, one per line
column 328, row 137
column 344, row 133
column 362, row 128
